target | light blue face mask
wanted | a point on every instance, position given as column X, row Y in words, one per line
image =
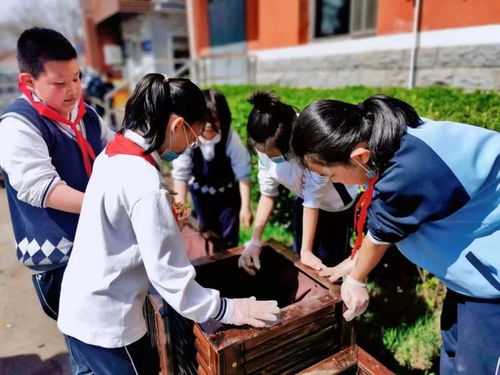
column 169, row 155
column 278, row 159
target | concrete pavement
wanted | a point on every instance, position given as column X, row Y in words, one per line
column 30, row 343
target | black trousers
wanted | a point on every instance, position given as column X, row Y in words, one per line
column 48, row 290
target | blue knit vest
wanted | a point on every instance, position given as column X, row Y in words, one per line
column 44, row 236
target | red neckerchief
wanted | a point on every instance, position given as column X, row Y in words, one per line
column 44, row 110
column 121, row 145
column 361, row 213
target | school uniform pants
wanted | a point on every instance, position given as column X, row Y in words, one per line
column 332, row 237
column 219, row 213
column 470, row 328
column 138, row 358
column 48, row 289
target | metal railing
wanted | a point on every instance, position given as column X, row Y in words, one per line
column 204, row 74
column 200, row 70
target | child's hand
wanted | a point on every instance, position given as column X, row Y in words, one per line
column 307, row 258
column 341, row 269
column 246, row 217
column 249, row 258
column 355, row 296
column 172, row 193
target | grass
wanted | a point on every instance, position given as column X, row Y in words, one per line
column 275, row 231
column 401, row 326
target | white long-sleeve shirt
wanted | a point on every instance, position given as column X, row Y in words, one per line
column 127, row 237
column 240, row 159
column 317, row 191
column 24, row 156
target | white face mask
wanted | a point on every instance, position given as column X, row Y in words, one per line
column 214, row 140
column 208, row 147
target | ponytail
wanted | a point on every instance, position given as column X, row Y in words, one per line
column 270, row 122
column 388, row 118
column 327, row 131
column 154, row 99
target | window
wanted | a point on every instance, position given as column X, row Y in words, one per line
column 341, row 17
column 181, row 51
column 363, row 16
column 227, row 21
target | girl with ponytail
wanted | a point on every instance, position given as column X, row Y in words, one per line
column 128, row 239
column 323, row 211
column 433, row 191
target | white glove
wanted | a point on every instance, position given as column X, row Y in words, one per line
column 249, row 258
column 341, row 269
column 242, row 311
column 355, row 296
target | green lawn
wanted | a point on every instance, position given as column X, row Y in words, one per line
column 401, row 326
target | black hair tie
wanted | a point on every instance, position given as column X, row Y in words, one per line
column 365, row 113
column 361, row 108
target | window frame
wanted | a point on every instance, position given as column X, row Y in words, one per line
column 363, row 32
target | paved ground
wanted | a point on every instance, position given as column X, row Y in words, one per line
column 30, row 343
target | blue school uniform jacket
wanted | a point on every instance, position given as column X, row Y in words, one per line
column 439, row 201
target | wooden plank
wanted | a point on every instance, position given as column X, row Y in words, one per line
column 334, row 364
column 232, row 360
column 295, row 259
column 202, row 362
column 289, row 337
column 367, row 363
column 160, row 334
column 291, row 317
column 202, row 371
column 203, row 352
column 351, row 357
column 301, row 353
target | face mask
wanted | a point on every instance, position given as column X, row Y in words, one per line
column 169, row 155
column 369, row 173
column 212, row 141
column 278, row 159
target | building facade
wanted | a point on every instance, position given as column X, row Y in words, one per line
column 133, row 37
column 328, row 43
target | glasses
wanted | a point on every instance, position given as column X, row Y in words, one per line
column 196, row 142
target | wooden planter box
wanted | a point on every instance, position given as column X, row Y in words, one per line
column 309, row 329
column 352, row 360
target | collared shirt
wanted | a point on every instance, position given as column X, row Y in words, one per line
column 240, row 159
column 24, row 156
column 127, row 238
column 317, row 191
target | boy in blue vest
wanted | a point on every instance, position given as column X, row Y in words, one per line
column 48, row 141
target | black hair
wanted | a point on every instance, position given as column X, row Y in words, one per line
column 270, row 122
column 218, row 109
column 154, row 99
column 37, row 45
column 327, row 131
